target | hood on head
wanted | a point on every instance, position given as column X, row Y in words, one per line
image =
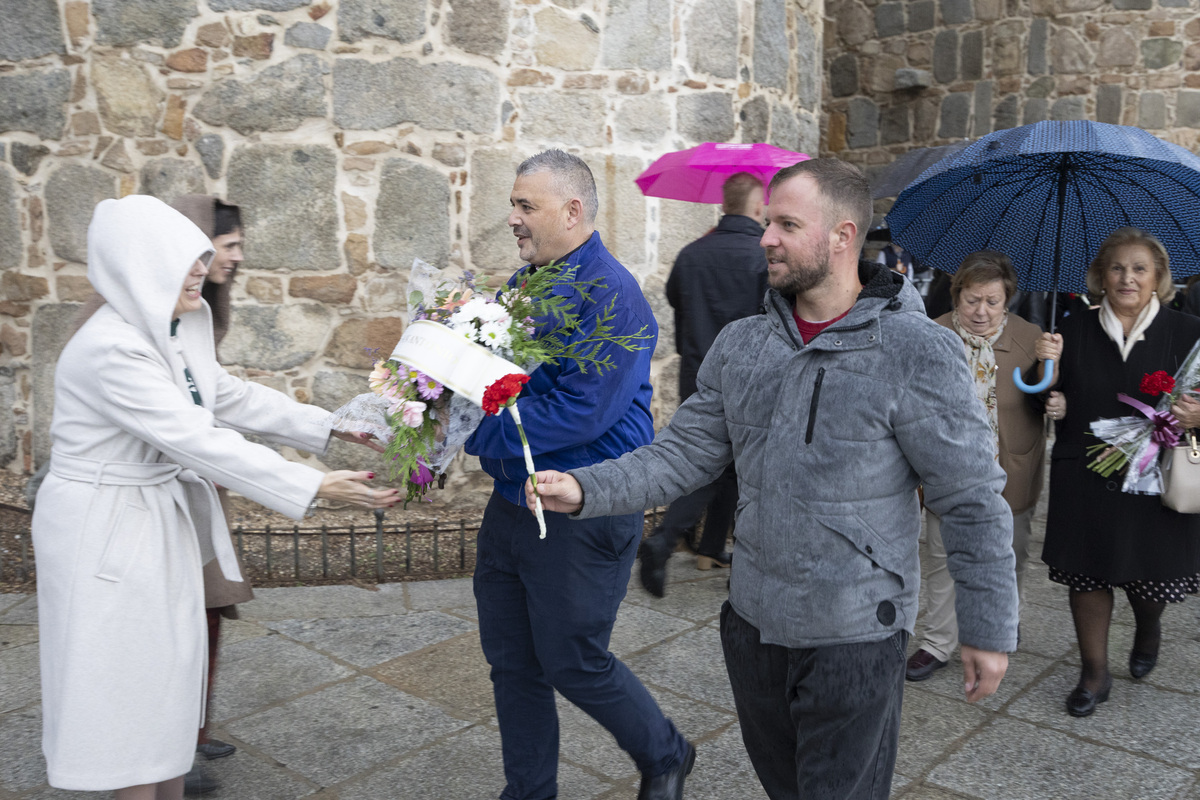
column 139, row 252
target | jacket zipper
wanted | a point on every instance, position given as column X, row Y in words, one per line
column 812, row 406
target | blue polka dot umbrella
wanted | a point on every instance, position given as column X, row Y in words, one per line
column 1047, row 195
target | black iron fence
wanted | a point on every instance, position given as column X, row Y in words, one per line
column 376, row 551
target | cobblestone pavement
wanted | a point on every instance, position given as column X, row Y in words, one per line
column 344, row 693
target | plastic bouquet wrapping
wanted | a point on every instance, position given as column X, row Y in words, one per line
column 468, row 352
column 1135, row 442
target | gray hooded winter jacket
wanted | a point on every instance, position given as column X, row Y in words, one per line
column 831, row 440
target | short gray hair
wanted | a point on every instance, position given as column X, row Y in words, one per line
column 572, row 178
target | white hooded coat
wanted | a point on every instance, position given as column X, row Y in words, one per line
column 128, row 514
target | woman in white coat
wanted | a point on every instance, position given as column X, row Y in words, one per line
column 145, row 421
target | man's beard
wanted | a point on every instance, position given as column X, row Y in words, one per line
column 802, row 274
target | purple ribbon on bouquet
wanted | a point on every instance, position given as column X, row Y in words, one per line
column 1166, row 433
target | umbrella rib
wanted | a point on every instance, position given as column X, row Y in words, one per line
column 1153, row 197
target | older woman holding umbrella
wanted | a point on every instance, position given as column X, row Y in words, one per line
column 995, row 342
column 1097, row 537
column 145, row 421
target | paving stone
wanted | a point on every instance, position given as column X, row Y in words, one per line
column 1023, row 670
column 169, row 178
column 930, row 727
column 405, row 230
column 712, row 38
column 370, row 96
column 35, row 102
column 563, row 117
column 686, row 597
column 289, row 206
column 639, row 627
column 123, row 23
column 637, row 35
column 17, row 635
column 23, row 766
column 367, row 641
column 643, row 118
column 755, row 116
column 563, row 41
column 32, row 28
column 9, row 601
column 690, row 665
column 478, row 26
column 20, row 681
column 1142, row 718
column 991, row 767
column 453, row 674
column 254, row 778
column 279, row 98
column 770, row 44
column 338, row 732
column 723, row 770
column 428, row 595
column 247, row 680
column 240, row 630
column 402, row 20
column 319, row 602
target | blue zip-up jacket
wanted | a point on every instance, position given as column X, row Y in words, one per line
column 571, row 418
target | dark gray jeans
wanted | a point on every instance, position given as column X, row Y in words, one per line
column 819, row 723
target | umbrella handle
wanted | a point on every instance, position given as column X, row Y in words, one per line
column 1041, row 385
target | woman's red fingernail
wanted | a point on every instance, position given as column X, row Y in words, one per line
column 370, row 475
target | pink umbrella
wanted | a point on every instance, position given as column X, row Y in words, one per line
column 698, row 173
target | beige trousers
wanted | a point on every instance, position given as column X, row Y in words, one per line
column 940, row 637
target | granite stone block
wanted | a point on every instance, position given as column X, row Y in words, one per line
column 862, row 123
column 1038, row 35
column 32, row 28
column 785, row 129
column 320, row 602
column 1036, row 110
column 279, row 98
column 1187, row 108
column 770, row 44
column 247, row 682
column 1161, row 52
column 1108, row 103
column 843, row 75
column 955, row 115
column 10, row 236
column 637, row 35
column 983, row 108
column 289, row 207
column 402, row 20
column 211, row 148
column 253, row 5
column 956, row 12
column 972, row 56
column 889, row 19
column 705, row 116
column 1152, row 110
column 1074, row 107
column 895, row 125
column 808, row 65
column 374, row 95
column 712, row 38
column 921, row 15
column 691, row 664
column 930, row 727
column 169, row 178
column 405, row 229
column 71, row 194
column 35, row 102
column 755, row 116
column 122, row 23
column 307, row 35
column 643, row 118
column 332, row 735
column 945, row 56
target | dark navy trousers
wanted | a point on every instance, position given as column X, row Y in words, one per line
column 546, row 612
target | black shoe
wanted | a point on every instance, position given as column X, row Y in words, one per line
column 921, row 665
column 1082, row 703
column 1140, row 664
column 215, row 748
column 669, row 785
column 196, row 782
column 721, row 560
column 653, row 573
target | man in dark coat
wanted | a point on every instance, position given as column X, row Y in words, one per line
column 720, row 277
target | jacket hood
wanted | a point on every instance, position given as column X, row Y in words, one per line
column 883, row 291
column 139, row 252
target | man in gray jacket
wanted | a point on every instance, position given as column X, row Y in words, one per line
column 836, row 403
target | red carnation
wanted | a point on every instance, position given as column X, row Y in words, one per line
column 1155, row 383
column 503, row 392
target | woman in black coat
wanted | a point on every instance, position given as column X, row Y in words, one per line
column 1098, row 537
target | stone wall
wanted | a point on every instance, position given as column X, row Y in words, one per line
column 355, row 135
column 910, row 73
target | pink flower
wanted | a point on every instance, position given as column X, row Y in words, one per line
column 412, row 412
column 428, row 388
column 381, row 376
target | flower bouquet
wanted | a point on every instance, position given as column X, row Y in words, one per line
column 468, row 352
column 1134, row 442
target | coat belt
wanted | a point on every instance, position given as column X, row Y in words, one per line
column 205, row 512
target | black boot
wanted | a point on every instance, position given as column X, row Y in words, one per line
column 655, row 554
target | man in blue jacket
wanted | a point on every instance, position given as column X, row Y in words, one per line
column 547, row 606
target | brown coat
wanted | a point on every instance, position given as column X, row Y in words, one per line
column 1022, row 433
